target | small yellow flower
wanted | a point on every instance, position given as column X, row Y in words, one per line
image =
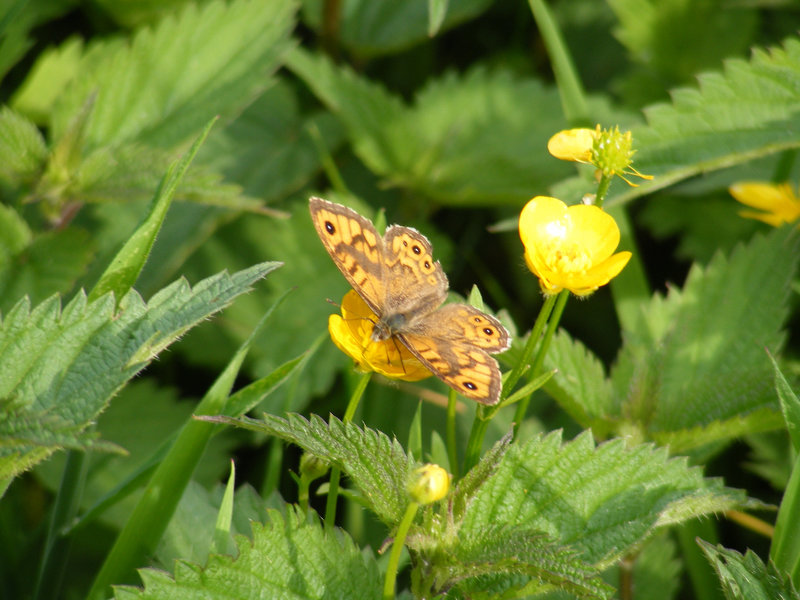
column 610, row 150
column 570, row 247
column 351, row 333
column 778, row 203
column 428, row 483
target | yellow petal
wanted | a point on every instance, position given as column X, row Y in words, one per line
column 778, row 201
column 351, row 334
column 572, row 144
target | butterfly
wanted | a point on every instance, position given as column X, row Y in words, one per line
column 396, row 276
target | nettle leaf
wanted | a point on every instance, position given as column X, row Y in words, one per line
column 747, row 577
column 50, row 264
column 373, row 28
column 378, row 466
column 467, row 139
column 23, row 151
column 580, row 385
column 289, row 557
column 750, row 109
column 492, row 561
column 164, row 85
column 61, row 366
column 694, row 374
column 269, row 149
column 601, row 500
column 672, row 40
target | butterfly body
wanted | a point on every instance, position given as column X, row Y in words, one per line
column 398, row 279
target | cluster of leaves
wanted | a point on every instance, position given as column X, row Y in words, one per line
column 239, row 110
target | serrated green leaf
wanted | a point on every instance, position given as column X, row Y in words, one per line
column 369, row 28
column 376, row 465
column 580, row 385
column 268, row 149
column 692, row 365
column 750, row 109
column 17, row 19
column 50, row 264
column 468, row 139
column 23, row 151
column 747, row 577
column 700, row 35
column 164, row 86
column 61, row 366
column 468, row 485
column 494, row 560
column 290, row 556
column 602, row 500
column 54, row 68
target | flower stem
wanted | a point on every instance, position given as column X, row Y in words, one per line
column 573, row 97
column 397, row 549
column 602, row 190
column 483, row 415
column 452, row 451
column 533, row 339
column 536, row 367
column 333, row 486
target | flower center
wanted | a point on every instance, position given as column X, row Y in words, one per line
column 563, row 255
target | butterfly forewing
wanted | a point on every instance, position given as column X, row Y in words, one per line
column 355, row 247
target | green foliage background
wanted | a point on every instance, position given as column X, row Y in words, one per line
column 125, row 224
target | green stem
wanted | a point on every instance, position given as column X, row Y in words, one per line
column 483, row 415
column 65, row 509
column 452, row 451
column 536, row 367
column 602, row 191
column 533, row 339
column 336, row 473
column 397, row 549
column 573, row 97
column 704, row 580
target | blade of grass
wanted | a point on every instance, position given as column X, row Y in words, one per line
column 123, row 271
column 222, row 542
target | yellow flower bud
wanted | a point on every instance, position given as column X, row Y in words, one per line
column 428, row 483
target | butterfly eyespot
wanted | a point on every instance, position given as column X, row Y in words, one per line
column 488, row 331
column 470, row 386
column 427, row 264
column 405, row 243
column 329, row 227
column 416, row 249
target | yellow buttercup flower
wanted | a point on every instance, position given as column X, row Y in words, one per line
column 570, row 247
column 428, row 483
column 610, row 150
column 777, row 203
column 351, row 333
